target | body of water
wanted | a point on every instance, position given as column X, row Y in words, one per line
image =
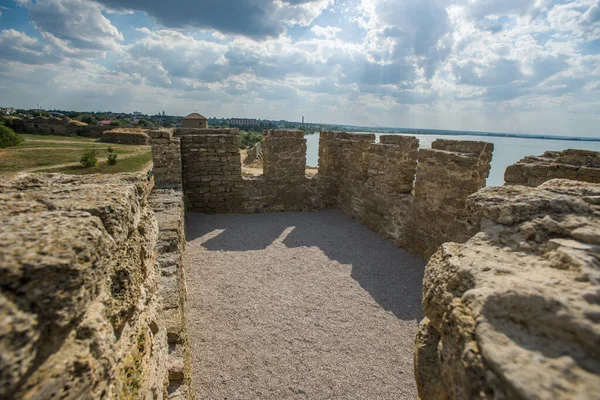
column 507, row 150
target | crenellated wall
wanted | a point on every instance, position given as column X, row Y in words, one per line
column 415, row 197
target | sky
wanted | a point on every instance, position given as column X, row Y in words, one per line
column 521, row 66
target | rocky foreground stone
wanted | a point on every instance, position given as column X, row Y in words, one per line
column 79, row 310
column 515, row 312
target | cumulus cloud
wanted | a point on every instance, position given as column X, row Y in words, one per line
column 17, row 46
column 79, row 24
column 257, row 19
column 410, row 62
column 328, row 32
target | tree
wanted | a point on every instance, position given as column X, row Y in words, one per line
column 88, row 119
column 145, row 123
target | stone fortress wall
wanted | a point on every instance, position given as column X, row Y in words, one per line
column 415, row 197
column 510, row 290
column 92, row 300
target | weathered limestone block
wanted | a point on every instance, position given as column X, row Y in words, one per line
column 392, row 164
column 79, row 315
column 580, row 165
column 513, row 312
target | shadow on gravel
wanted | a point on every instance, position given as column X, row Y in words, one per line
column 392, row 276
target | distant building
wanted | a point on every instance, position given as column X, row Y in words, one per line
column 105, row 122
column 195, row 120
column 7, row 110
column 244, row 122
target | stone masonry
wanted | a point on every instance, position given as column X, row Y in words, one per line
column 93, row 289
column 446, row 175
column 166, row 156
column 212, row 169
column 415, row 197
column 168, row 208
column 134, row 136
column 580, row 165
column 284, row 155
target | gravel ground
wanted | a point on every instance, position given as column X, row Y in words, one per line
column 299, row 306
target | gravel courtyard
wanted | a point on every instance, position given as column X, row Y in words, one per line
column 299, row 306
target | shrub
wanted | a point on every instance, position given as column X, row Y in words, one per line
column 8, row 137
column 89, row 158
column 249, row 139
column 112, row 158
column 110, row 149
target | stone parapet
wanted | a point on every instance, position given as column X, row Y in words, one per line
column 202, row 131
column 212, row 169
column 414, row 197
column 512, row 313
column 284, row 155
column 168, row 209
column 580, row 165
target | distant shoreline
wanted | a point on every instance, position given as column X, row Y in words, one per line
column 388, row 131
column 508, row 135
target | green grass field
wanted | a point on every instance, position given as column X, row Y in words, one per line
column 40, row 152
column 130, row 164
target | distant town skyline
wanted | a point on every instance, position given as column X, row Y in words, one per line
column 515, row 66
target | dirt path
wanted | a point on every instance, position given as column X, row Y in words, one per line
column 299, row 306
column 64, row 141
